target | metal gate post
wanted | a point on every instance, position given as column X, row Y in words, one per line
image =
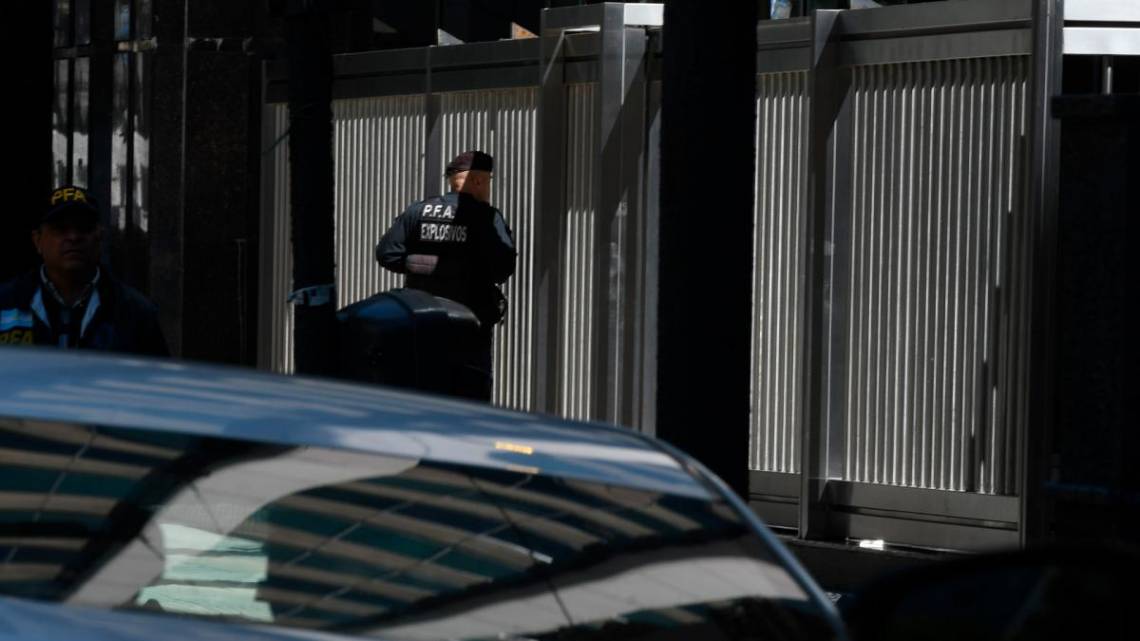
column 620, row 148
column 551, row 201
column 621, row 108
column 1035, row 433
column 829, row 148
column 433, row 136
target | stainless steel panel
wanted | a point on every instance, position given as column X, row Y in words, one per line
column 922, row 19
column 503, row 124
column 576, row 340
column 951, row 46
column 936, row 158
column 378, row 147
column 778, row 287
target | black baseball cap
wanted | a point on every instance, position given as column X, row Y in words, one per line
column 69, row 199
column 471, row 161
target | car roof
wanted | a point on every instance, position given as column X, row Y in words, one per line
column 208, row 400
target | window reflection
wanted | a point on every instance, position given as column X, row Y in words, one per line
column 374, row 545
column 208, row 574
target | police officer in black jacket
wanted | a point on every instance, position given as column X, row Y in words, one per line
column 457, row 246
column 69, row 301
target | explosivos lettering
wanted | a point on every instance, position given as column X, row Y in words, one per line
column 443, row 232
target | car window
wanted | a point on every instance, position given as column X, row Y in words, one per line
column 379, row 546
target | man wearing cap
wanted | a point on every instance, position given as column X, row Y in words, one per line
column 457, row 246
column 69, row 301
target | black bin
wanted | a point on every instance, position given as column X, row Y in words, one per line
column 410, row 338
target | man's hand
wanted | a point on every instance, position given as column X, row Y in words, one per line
column 421, row 264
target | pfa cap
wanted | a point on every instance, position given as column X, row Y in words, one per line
column 471, row 161
column 70, row 199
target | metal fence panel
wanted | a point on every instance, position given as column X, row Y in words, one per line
column 778, row 287
column 577, row 261
column 936, row 157
column 378, row 144
column 502, row 123
column 385, row 142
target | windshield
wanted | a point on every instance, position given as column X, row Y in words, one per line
column 378, row 546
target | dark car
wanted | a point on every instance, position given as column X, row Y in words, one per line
column 142, row 499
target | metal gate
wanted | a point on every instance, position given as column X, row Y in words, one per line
column 913, row 236
column 399, row 115
column 902, row 204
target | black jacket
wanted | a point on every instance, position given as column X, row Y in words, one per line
column 453, row 246
column 122, row 321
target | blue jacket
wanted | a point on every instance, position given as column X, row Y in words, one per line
column 121, row 319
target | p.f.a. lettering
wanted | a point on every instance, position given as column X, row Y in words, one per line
column 438, row 212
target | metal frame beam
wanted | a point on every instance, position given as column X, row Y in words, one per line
column 830, row 87
column 775, row 497
column 1036, row 430
column 994, row 511
column 550, row 199
column 901, row 515
column 784, row 45
column 505, row 64
column 649, row 257
column 433, row 135
column 594, row 17
column 906, row 529
column 928, row 19
column 267, row 225
column 620, row 112
column 619, row 326
column 939, row 46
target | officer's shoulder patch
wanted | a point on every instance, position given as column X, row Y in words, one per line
column 16, row 327
column 15, row 319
